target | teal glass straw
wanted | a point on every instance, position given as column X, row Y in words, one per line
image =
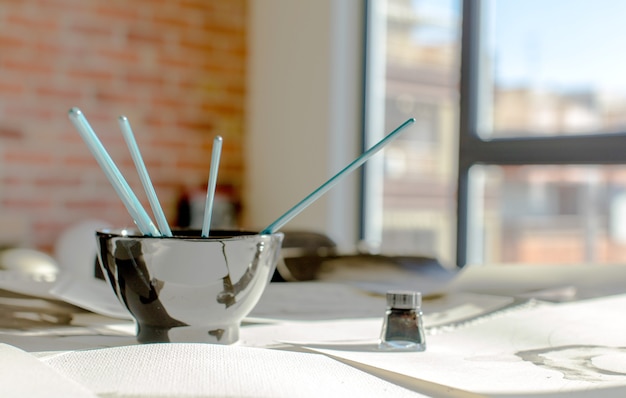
column 134, row 207
column 129, row 137
column 210, row 192
column 313, row 196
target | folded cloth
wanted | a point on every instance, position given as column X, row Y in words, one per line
column 23, row 375
column 207, row 370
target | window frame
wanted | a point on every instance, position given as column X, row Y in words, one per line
column 597, row 149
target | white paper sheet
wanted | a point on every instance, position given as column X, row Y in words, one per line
column 379, row 274
column 314, row 301
column 578, row 349
column 588, row 281
column 304, row 301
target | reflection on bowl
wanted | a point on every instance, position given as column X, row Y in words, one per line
column 186, row 288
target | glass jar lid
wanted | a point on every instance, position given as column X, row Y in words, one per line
column 404, row 299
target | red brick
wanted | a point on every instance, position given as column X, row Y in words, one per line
column 11, row 132
column 58, row 5
column 175, row 62
column 32, row 22
column 25, row 67
column 25, row 203
column 171, row 21
column 32, row 113
column 167, row 102
column 145, row 78
column 28, row 157
column 116, row 97
column 125, row 56
column 57, row 182
column 196, row 43
column 143, row 36
column 196, row 125
column 59, row 92
column 12, row 88
column 11, row 42
column 91, row 74
column 92, row 204
column 196, row 5
column 88, row 29
column 85, row 160
column 123, row 11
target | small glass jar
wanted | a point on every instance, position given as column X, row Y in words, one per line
column 402, row 326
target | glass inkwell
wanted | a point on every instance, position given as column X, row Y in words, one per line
column 403, row 328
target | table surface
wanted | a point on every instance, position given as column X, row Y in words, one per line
column 477, row 331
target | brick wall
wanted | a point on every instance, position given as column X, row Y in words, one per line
column 175, row 68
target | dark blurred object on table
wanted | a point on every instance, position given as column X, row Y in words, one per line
column 302, row 255
column 308, row 256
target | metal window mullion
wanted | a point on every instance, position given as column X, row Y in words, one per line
column 549, row 150
column 468, row 113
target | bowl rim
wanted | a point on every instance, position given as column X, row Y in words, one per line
column 184, row 234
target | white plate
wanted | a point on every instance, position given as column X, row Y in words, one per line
column 28, row 284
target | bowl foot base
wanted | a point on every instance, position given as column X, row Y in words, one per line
column 223, row 334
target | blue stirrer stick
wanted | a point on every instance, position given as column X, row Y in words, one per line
column 144, row 176
column 134, row 207
column 210, row 193
column 313, row 196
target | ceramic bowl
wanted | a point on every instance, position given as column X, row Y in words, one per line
column 187, row 288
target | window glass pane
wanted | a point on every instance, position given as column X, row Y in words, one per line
column 547, row 214
column 421, row 73
column 552, row 67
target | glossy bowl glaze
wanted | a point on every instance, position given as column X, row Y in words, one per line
column 186, row 288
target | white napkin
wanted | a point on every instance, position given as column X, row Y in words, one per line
column 23, row 375
column 207, row 370
column 76, row 252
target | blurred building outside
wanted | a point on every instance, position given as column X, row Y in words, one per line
column 537, row 214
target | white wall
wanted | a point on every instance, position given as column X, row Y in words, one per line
column 304, row 113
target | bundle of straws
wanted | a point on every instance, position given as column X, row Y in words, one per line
column 139, row 214
column 126, row 194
